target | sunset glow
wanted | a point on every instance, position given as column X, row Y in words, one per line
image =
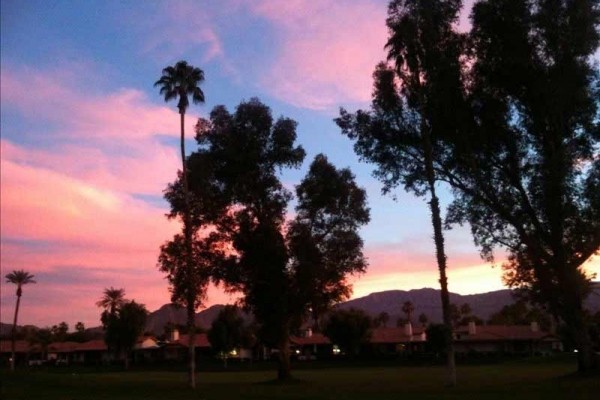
column 88, row 145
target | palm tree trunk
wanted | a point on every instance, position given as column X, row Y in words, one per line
column 14, row 331
column 438, row 237
column 187, row 231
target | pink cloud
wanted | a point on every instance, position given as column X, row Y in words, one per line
column 328, row 50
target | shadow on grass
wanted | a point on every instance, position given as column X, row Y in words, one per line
column 279, row 382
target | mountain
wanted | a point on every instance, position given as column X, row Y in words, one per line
column 428, row 301
column 177, row 315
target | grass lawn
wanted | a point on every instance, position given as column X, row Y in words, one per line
column 525, row 379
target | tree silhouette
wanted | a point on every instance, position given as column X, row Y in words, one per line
column 410, row 113
column 19, row 278
column 408, row 309
column 182, row 81
column 112, row 299
column 348, row 329
column 123, row 327
column 226, row 332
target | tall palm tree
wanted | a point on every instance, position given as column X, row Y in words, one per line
column 408, row 309
column 19, row 278
column 112, row 299
column 181, row 81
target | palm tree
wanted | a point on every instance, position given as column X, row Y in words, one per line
column 112, row 299
column 181, row 81
column 19, row 278
column 408, row 309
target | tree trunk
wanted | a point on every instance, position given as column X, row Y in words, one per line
column 126, row 355
column 284, row 370
column 438, row 237
column 187, row 230
column 14, row 332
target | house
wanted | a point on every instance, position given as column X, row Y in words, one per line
column 176, row 348
column 505, row 339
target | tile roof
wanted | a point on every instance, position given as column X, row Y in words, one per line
column 200, row 340
column 502, row 333
column 315, row 338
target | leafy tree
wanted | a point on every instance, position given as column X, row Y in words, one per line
column 80, row 335
column 411, row 115
column 182, row 81
column 226, row 332
column 381, row 320
column 60, row 332
column 348, row 329
column 520, row 313
column 244, row 151
column 238, row 193
column 124, row 326
column 19, row 278
column 324, row 243
column 525, row 171
column 408, row 309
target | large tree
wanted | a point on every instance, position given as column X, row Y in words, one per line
column 19, row 278
column 123, row 327
column 348, row 329
column 226, row 332
column 415, row 105
column 526, row 171
column 246, row 150
column 323, row 239
column 284, row 269
column 182, row 81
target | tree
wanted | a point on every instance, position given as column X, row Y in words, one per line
column 19, row 278
column 408, row 309
column 244, row 152
column 60, row 332
column 226, row 332
column 410, row 113
column 520, row 313
column 112, row 299
column 124, row 326
column 180, row 81
column 382, row 319
column 423, row 320
column 323, row 239
column 526, row 172
column 348, row 329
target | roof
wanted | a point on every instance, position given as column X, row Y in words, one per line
column 315, row 338
column 200, row 340
column 394, row 335
column 63, row 347
column 21, row 346
column 92, row 345
column 502, row 333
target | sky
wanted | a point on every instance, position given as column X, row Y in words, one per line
column 88, row 145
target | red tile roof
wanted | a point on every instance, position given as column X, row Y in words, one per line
column 92, row 345
column 501, row 333
column 315, row 338
column 394, row 335
column 200, row 340
column 21, row 346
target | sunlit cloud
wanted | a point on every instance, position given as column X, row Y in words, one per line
column 328, row 50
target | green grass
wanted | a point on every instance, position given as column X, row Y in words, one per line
column 511, row 380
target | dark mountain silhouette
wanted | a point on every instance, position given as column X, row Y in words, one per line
column 424, row 300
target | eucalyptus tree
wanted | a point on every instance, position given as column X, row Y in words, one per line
column 416, row 103
column 323, row 239
column 285, row 269
column 527, row 176
column 19, row 278
column 182, row 81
